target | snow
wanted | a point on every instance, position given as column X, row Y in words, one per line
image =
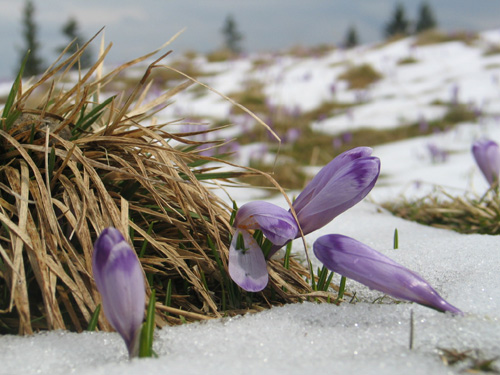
column 363, row 338
column 367, row 337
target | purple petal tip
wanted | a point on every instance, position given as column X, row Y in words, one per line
column 487, row 156
column 119, row 279
column 247, row 265
column 277, row 224
column 341, row 184
column 359, row 262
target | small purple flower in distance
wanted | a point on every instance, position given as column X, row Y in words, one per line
column 322, row 117
column 423, row 125
column 292, row 135
column 350, row 114
column 347, row 137
column 357, row 261
column 119, row 279
column 333, row 88
column 455, row 93
column 487, row 155
column 494, row 79
column 296, row 111
column 341, row 184
column 337, row 143
column 438, row 155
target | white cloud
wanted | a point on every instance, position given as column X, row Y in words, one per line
column 8, row 11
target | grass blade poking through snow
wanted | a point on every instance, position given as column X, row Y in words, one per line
column 341, row 288
column 147, row 333
column 9, row 115
column 95, row 318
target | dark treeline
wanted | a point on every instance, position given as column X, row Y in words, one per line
column 35, row 63
column 398, row 24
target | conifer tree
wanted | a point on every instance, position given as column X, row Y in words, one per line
column 34, row 64
column 70, row 30
column 426, row 19
column 399, row 24
column 232, row 37
column 351, row 38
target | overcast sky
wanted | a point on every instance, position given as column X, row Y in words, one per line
column 139, row 26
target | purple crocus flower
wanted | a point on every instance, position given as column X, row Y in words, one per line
column 292, row 135
column 247, row 265
column 337, row 143
column 341, row 184
column 487, row 155
column 423, row 125
column 438, row 155
column 119, row 279
column 357, row 261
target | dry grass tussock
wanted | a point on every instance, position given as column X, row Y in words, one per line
column 72, row 165
column 466, row 214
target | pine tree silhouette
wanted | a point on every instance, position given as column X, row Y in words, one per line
column 399, row 24
column 70, row 30
column 426, row 19
column 34, row 64
column 351, row 38
column 232, row 37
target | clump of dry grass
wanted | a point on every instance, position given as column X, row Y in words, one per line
column 435, row 36
column 72, row 165
column 493, row 49
column 360, row 76
column 461, row 214
column 407, row 61
column 308, row 51
column 221, row 54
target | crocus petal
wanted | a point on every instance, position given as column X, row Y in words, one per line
column 247, row 267
column 119, row 279
column 341, row 184
column 359, row 262
column 276, row 223
column 487, row 155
